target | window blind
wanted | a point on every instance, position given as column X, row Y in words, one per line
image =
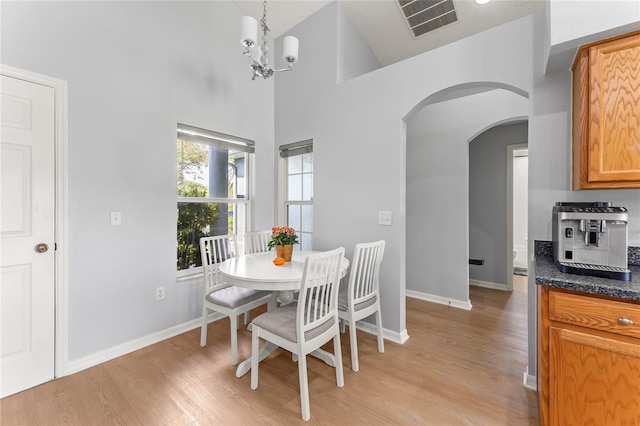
column 296, row 148
column 196, row 134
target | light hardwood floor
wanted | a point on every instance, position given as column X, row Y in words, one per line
column 458, row 367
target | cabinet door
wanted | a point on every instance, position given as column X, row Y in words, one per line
column 614, row 116
column 593, row 379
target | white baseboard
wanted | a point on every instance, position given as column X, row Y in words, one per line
column 460, row 304
column 392, row 336
column 488, row 284
column 404, row 336
column 134, row 345
column 94, row 359
column 151, row 339
column 528, row 381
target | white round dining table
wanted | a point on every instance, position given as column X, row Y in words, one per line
column 257, row 271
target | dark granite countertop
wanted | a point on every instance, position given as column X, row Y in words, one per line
column 546, row 273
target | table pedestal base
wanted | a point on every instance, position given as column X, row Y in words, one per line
column 285, row 297
column 245, row 366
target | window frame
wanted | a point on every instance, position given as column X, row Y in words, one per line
column 230, row 142
column 286, row 151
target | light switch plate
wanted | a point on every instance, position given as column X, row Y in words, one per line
column 384, row 218
column 116, row 219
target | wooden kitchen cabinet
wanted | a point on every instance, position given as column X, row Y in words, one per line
column 589, row 359
column 606, row 114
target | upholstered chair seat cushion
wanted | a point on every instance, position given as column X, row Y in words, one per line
column 343, row 301
column 231, row 297
column 282, row 322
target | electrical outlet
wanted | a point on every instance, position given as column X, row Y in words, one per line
column 159, row 293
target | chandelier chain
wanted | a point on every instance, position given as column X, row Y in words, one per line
column 263, row 21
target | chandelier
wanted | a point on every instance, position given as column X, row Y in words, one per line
column 259, row 55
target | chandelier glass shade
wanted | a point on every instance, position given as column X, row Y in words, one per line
column 259, row 54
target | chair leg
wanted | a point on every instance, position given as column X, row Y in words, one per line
column 304, row 387
column 379, row 325
column 343, row 326
column 337, row 352
column 246, row 317
column 234, row 339
column 255, row 341
column 353, row 340
column 203, row 327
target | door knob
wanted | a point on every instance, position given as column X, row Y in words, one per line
column 41, row 248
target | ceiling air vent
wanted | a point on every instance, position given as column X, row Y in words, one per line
column 428, row 15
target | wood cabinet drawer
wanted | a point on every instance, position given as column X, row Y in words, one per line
column 599, row 314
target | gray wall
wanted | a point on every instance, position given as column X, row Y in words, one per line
column 488, row 200
column 134, row 70
column 353, row 53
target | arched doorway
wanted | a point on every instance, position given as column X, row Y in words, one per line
column 438, row 131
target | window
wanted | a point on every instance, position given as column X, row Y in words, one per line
column 298, row 203
column 212, row 189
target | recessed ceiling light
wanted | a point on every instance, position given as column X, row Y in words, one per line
column 482, row 1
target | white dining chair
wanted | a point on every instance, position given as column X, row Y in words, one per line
column 306, row 326
column 361, row 298
column 221, row 297
column 256, row 242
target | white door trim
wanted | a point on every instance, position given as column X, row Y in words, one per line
column 61, row 201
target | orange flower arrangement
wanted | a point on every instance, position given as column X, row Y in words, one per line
column 282, row 236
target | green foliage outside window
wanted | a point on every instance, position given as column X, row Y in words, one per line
column 195, row 220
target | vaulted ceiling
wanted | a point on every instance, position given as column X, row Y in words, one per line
column 384, row 24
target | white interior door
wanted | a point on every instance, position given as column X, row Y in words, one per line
column 520, row 209
column 27, row 219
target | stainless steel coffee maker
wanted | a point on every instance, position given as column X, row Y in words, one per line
column 591, row 239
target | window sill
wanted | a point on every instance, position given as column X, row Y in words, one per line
column 189, row 274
